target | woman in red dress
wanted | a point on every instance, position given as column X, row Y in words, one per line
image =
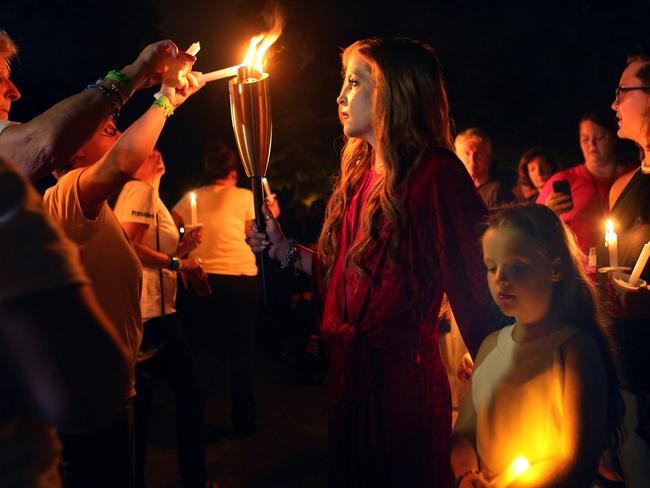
column 402, row 228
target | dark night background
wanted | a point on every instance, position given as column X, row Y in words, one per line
column 522, row 71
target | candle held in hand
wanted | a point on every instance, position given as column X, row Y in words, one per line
column 219, row 74
column 194, row 48
column 640, row 264
column 267, row 189
column 611, row 241
column 193, row 208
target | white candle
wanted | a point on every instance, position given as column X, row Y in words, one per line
column 219, row 74
column 611, row 241
column 193, row 208
column 640, row 264
column 194, row 48
column 515, row 469
column 267, row 190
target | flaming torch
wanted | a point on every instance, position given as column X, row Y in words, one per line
column 250, row 108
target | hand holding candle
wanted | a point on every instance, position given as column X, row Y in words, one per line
column 611, row 241
column 194, row 48
column 193, row 210
column 640, row 264
column 176, row 68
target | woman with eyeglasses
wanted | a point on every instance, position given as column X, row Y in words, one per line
column 630, row 204
column 579, row 195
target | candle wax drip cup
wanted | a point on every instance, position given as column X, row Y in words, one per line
column 613, row 269
column 621, row 284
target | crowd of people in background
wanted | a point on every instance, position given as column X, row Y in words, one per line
column 417, row 224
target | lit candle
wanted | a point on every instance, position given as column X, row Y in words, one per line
column 194, row 48
column 219, row 74
column 193, row 208
column 640, row 264
column 515, row 469
column 267, row 190
column 611, row 241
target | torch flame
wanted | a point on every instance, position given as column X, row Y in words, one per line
column 609, row 225
column 260, row 44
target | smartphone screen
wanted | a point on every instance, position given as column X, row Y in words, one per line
column 562, row 186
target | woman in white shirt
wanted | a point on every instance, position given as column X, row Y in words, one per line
column 164, row 350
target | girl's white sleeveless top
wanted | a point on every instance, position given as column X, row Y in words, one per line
column 517, row 394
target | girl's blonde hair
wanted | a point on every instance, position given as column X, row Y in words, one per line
column 574, row 300
column 410, row 114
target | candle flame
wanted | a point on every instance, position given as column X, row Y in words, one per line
column 260, row 44
column 192, row 197
column 609, row 225
column 520, row 465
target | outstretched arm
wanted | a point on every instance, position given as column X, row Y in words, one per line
column 106, row 177
column 51, row 139
column 459, row 215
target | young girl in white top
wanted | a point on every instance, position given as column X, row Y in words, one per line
column 545, row 387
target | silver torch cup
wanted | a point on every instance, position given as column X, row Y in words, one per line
column 250, row 108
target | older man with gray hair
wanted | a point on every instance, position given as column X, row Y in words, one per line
column 474, row 149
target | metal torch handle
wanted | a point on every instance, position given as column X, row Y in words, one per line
column 260, row 221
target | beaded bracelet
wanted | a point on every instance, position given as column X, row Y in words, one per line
column 117, row 105
column 121, row 78
column 293, row 255
column 116, row 87
column 163, row 102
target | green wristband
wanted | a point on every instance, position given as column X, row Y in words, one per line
column 163, row 102
column 121, row 78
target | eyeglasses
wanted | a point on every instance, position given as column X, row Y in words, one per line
column 623, row 89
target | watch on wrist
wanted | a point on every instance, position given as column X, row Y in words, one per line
column 174, row 262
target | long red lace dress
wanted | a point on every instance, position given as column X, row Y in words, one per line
column 390, row 408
